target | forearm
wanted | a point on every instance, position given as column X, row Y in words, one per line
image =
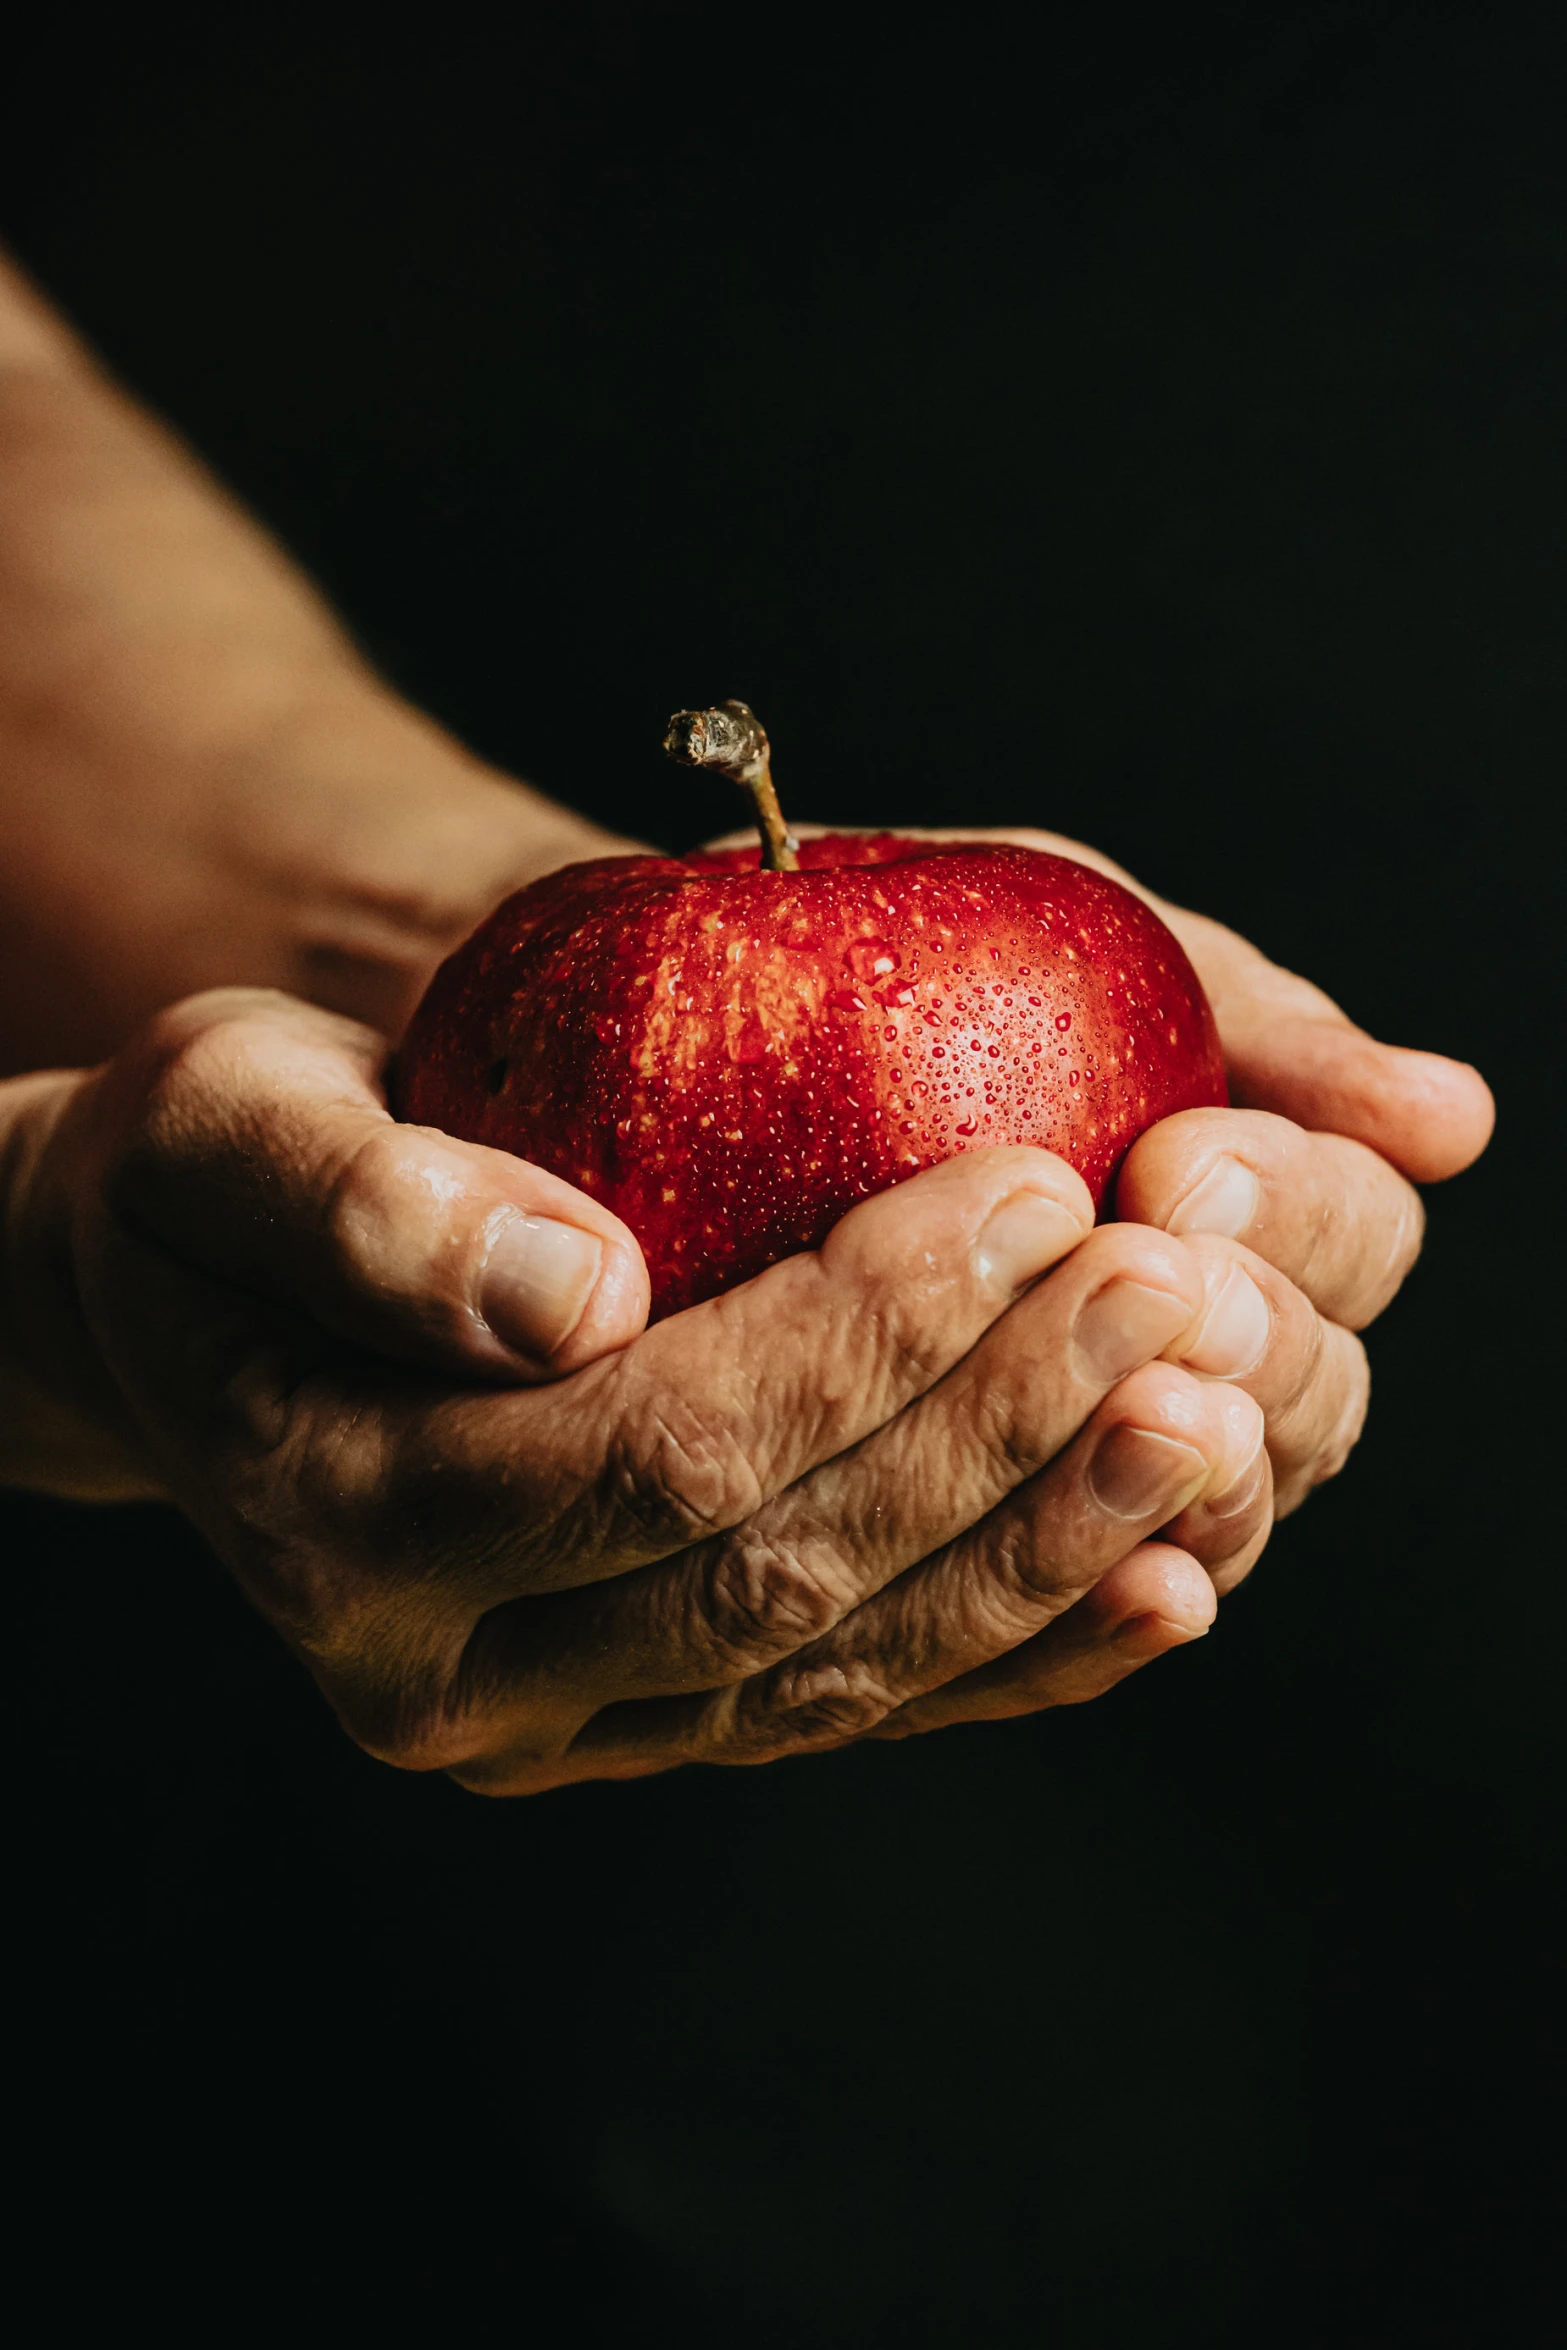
column 203, row 783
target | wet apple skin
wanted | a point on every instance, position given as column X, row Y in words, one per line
column 729, row 1059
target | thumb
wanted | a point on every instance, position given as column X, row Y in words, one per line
column 248, row 1133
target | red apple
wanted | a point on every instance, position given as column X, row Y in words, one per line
column 729, row 1057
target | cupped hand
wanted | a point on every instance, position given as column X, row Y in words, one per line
column 403, row 1384
column 1307, row 1188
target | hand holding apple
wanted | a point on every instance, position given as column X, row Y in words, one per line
column 236, row 1280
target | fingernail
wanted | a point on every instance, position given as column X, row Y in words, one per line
column 1224, row 1201
column 1135, row 1473
column 1151, row 1635
column 1024, row 1237
column 1124, row 1325
column 1235, row 1331
column 537, row 1278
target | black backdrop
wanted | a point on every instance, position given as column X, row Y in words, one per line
column 1147, row 422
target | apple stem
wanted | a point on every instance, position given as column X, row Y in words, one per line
column 733, row 739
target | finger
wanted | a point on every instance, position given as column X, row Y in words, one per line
column 798, row 1565
column 1427, row 1115
column 1162, row 1595
column 717, row 1409
column 249, row 1135
column 1308, row 1375
column 1290, row 1050
column 1151, row 1449
column 1331, row 1214
column 1156, row 1599
column 1226, row 1528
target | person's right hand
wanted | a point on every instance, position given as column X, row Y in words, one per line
column 402, row 1383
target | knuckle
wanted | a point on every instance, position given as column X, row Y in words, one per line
column 907, row 1335
column 765, row 1598
column 1024, row 1564
column 330, row 1474
column 1313, row 1443
column 192, row 1062
column 818, row 1705
column 885, row 1334
column 404, row 1721
column 1317, row 1270
column 1397, row 1257
column 1353, row 1374
column 377, row 1193
column 675, row 1476
column 1365, row 1230
column 186, row 1070
column 1011, row 1434
column 1303, row 1369
column 190, row 1101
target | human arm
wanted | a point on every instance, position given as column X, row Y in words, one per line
column 204, row 784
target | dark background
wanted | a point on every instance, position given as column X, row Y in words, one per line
column 1147, row 422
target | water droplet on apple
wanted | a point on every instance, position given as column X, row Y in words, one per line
column 873, row 958
column 969, row 1125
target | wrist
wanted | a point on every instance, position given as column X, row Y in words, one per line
column 385, row 844
column 63, row 1426
column 204, row 783
column 322, row 838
